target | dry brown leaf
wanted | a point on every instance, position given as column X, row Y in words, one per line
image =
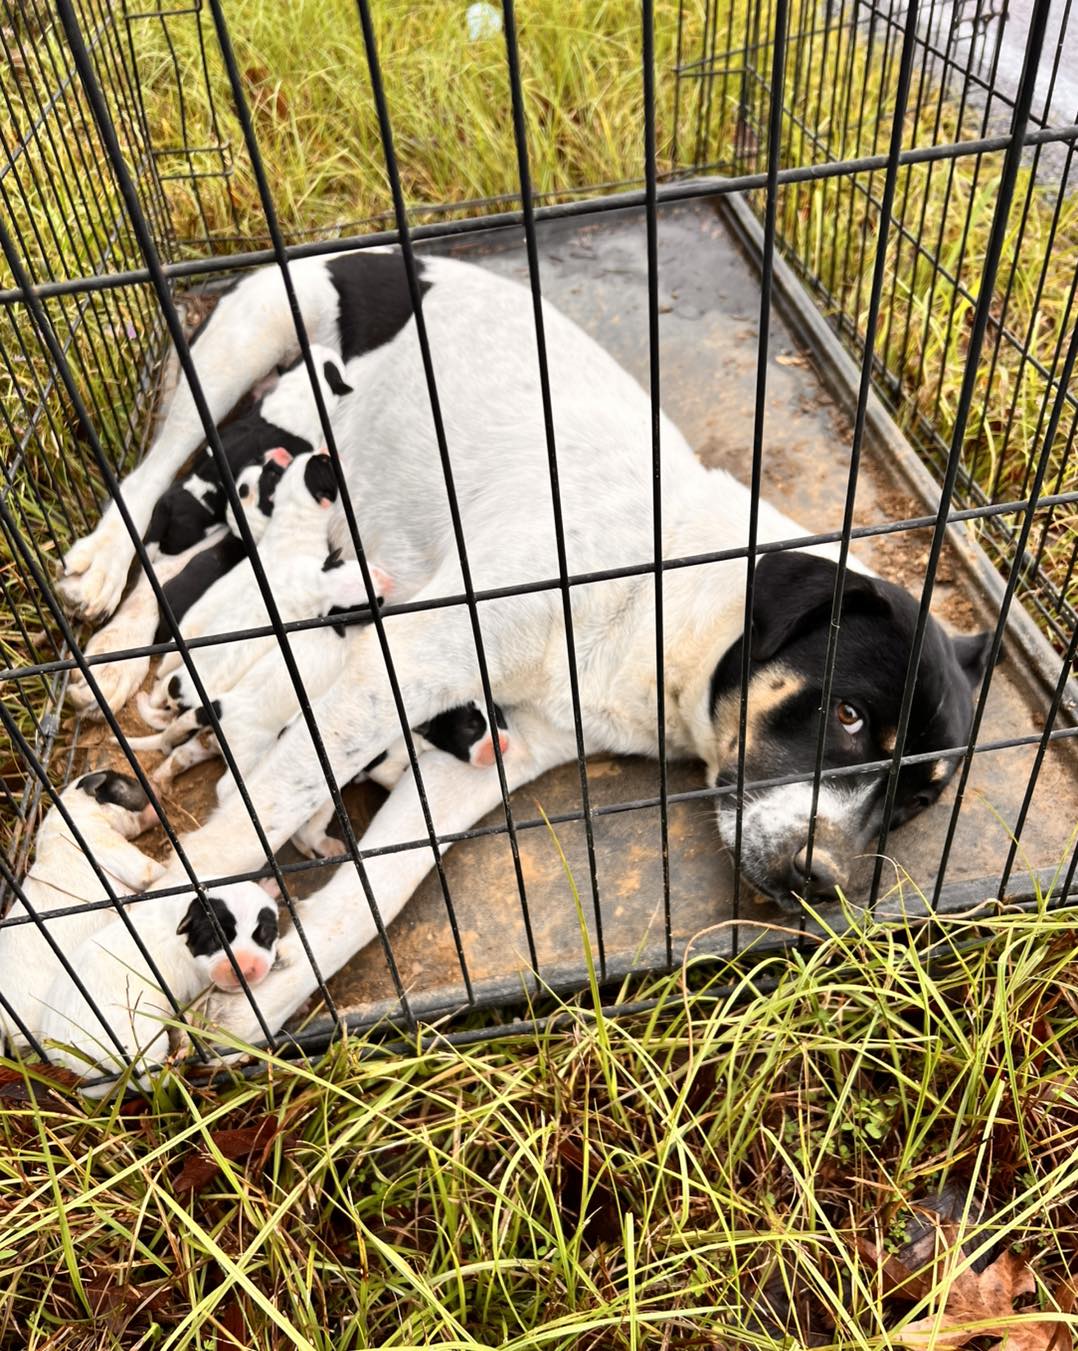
column 201, row 1168
column 975, row 1304
column 986, row 1299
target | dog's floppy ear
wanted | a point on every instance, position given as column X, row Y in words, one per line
column 794, row 592
column 188, row 916
column 335, row 379
column 973, row 651
column 278, row 456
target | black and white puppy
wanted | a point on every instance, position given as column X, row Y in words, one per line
column 186, row 522
column 109, row 810
column 187, row 951
column 481, row 333
column 461, row 732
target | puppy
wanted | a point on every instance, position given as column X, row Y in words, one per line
column 108, row 810
column 186, row 521
column 293, row 554
column 461, row 731
column 254, row 711
column 184, row 944
column 255, row 486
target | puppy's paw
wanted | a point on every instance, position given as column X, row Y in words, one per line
column 95, row 570
column 319, row 846
column 117, row 681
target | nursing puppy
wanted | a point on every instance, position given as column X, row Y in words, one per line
column 255, row 487
column 185, row 521
column 187, row 950
column 462, row 732
column 254, row 711
column 490, row 410
column 294, row 553
column 108, row 810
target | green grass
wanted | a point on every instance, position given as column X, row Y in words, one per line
column 657, row 1181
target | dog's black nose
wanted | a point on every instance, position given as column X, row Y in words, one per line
column 821, row 879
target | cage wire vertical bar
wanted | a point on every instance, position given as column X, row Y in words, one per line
column 985, row 296
column 520, row 136
column 303, row 338
column 864, row 389
column 404, row 236
column 652, row 228
column 995, row 651
column 774, row 137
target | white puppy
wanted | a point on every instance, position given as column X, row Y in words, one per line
column 108, row 810
column 254, row 711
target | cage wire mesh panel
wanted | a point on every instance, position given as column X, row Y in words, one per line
column 841, row 259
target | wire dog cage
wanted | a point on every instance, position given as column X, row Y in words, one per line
column 846, row 270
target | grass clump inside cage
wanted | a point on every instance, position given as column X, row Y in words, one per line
column 703, row 1174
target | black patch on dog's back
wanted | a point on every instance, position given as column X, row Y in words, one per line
column 375, row 303
column 107, row 786
column 203, row 718
column 197, row 577
column 198, row 928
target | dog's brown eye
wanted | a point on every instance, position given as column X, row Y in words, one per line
column 850, row 718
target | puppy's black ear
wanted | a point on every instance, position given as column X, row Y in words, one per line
column 90, row 783
column 973, row 651
column 794, row 592
column 334, row 379
column 188, row 917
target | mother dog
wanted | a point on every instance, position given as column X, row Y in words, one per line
column 484, row 353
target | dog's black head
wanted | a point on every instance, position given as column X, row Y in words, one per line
column 117, row 790
column 320, row 479
column 792, row 605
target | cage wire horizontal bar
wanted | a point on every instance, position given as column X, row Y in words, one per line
column 105, row 92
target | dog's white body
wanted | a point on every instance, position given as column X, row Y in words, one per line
column 483, row 342
column 62, row 877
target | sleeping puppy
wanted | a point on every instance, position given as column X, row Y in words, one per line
column 108, row 810
column 187, row 950
column 293, row 552
column 186, row 521
column 461, row 732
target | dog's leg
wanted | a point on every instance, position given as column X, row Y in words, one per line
column 249, row 332
column 185, row 757
column 337, row 921
column 134, row 625
column 312, row 840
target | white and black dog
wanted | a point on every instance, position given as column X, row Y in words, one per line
column 484, row 355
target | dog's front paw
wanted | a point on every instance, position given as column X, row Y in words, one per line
column 96, row 568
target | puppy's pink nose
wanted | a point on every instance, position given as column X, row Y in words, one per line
column 254, row 969
column 503, row 742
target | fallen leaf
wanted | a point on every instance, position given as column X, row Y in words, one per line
column 202, row 1167
column 975, row 1304
column 791, row 359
